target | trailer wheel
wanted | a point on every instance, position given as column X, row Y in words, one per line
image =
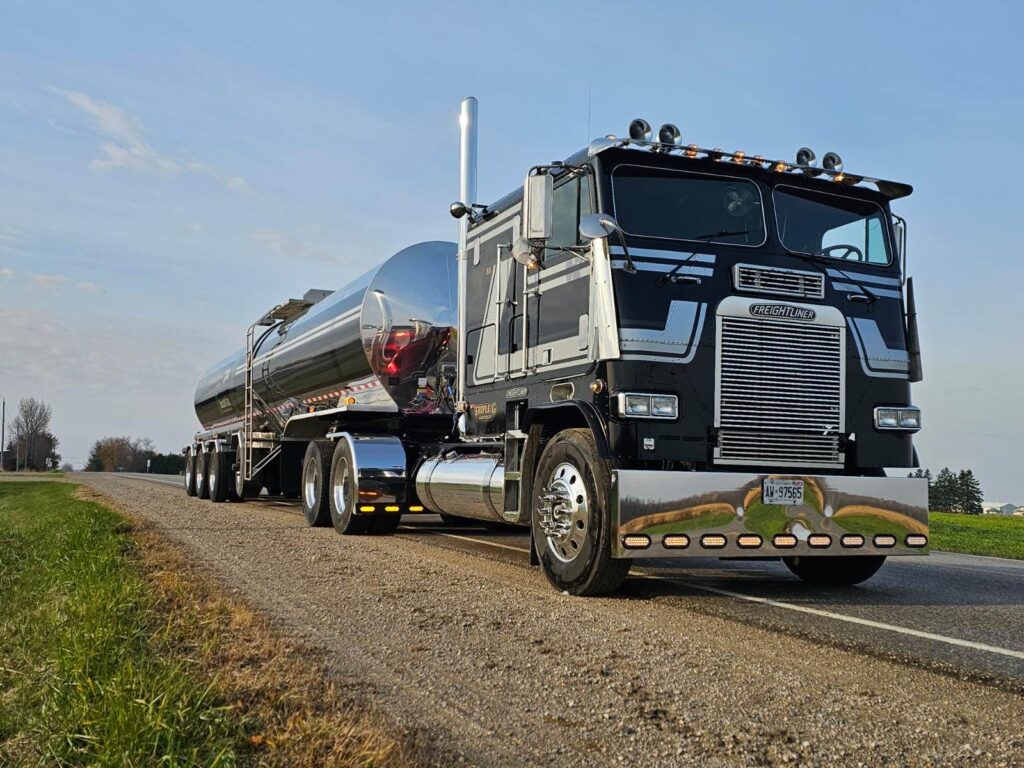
column 344, row 494
column 190, row 473
column 835, row 571
column 316, row 476
column 202, row 475
column 220, row 476
column 571, row 516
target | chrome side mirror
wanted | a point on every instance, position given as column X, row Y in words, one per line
column 538, row 206
column 597, row 225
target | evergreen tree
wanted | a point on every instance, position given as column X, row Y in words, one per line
column 969, row 496
column 942, row 496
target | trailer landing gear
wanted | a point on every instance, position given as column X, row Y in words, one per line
column 571, row 516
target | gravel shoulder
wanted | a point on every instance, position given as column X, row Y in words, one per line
column 493, row 668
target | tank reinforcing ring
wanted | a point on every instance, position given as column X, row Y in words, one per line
column 565, row 512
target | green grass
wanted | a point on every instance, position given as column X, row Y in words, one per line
column 89, row 672
column 977, row 534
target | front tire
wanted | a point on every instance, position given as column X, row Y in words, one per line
column 571, row 516
column 202, row 475
column 190, row 474
column 316, row 476
column 835, row 571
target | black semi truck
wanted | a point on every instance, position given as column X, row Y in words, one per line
column 650, row 350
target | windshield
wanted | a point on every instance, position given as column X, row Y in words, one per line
column 675, row 205
column 835, row 226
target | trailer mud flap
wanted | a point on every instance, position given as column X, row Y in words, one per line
column 735, row 514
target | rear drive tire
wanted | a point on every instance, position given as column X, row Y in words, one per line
column 190, row 474
column 835, row 571
column 202, row 475
column 220, row 477
column 384, row 524
column 316, row 477
column 571, row 516
column 344, row 494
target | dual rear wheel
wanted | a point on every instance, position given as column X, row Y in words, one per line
column 330, row 493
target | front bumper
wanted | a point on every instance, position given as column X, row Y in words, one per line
column 721, row 514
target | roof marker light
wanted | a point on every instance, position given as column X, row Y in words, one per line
column 738, row 155
column 691, row 150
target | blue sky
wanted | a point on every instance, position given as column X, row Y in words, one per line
column 167, row 173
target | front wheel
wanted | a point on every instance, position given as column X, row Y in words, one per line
column 835, row 571
column 571, row 516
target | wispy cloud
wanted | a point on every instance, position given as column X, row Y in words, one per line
column 6, row 273
column 288, row 246
column 87, row 286
column 126, row 146
column 49, row 281
column 12, row 239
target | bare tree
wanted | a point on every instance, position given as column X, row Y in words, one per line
column 33, row 446
column 119, row 454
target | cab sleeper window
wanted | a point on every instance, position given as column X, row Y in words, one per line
column 696, row 207
column 832, row 226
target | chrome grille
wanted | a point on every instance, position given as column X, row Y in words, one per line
column 779, row 282
column 780, row 393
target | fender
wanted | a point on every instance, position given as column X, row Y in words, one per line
column 571, row 410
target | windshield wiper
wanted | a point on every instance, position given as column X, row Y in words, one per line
column 866, row 294
column 673, row 274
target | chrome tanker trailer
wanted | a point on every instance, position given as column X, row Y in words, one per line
column 650, row 350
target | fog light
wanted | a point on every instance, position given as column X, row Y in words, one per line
column 636, row 541
column 712, row 541
column 819, row 540
column 749, row 541
column 852, row 540
column 675, row 541
column 784, row 541
column 916, row 540
column 884, row 541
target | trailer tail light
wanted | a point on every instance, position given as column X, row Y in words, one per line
column 819, row 540
column 784, row 541
column 636, row 541
column 885, row 541
column 916, row 540
column 675, row 541
column 852, row 540
column 749, row 541
column 713, row 541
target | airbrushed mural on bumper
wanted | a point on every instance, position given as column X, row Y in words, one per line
column 722, row 514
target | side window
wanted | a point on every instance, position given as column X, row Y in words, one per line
column 866, row 234
column 571, row 200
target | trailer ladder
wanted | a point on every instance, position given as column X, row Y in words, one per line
column 255, row 405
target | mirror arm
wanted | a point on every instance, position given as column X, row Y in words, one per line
column 630, row 267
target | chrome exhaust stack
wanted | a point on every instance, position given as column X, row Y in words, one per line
column 467, row 196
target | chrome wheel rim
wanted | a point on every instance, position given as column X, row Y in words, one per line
column 199, row 476
column 213, row 480
column 565, row 512
column 188, row 472
column 310, row 483
column 339, row 487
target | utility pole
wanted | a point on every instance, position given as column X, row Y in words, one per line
column 3, row 432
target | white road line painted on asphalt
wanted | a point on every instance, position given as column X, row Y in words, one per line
column 799, row 608
column 180, row 484
column 468, row 538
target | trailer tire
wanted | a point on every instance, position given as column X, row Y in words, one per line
column 579, row 562
column 835, row 571
column 219, row 477
column 316, row 483
column 190, row 474
column 344, row 494
column 202, row 475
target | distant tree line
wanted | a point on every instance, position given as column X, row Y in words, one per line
column 952, row 491
column 125, row 454
column 32, row 445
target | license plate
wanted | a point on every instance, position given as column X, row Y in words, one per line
column 785, row 492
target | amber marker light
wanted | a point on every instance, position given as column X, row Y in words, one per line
column 392, row 508
column 636, row 541
column 916, row 540
column 852, row 540
column 738, row 155
column 819, row 540
column 415, row 508
column 784, row 541
column 885, row 540
column 749, row 541
column 675, row 541
column 712, row 541
column 691, row 150
column 366, row 508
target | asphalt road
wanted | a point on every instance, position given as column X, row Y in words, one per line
column 959, row 614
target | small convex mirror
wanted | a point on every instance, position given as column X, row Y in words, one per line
column 596, row 225
column 539, row 189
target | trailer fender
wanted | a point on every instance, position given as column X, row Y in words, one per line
column 380, row 470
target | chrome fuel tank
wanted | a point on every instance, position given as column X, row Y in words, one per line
column 461, row 484
column 380, row 341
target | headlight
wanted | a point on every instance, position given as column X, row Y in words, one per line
column 642, row 406
column 907, row 419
